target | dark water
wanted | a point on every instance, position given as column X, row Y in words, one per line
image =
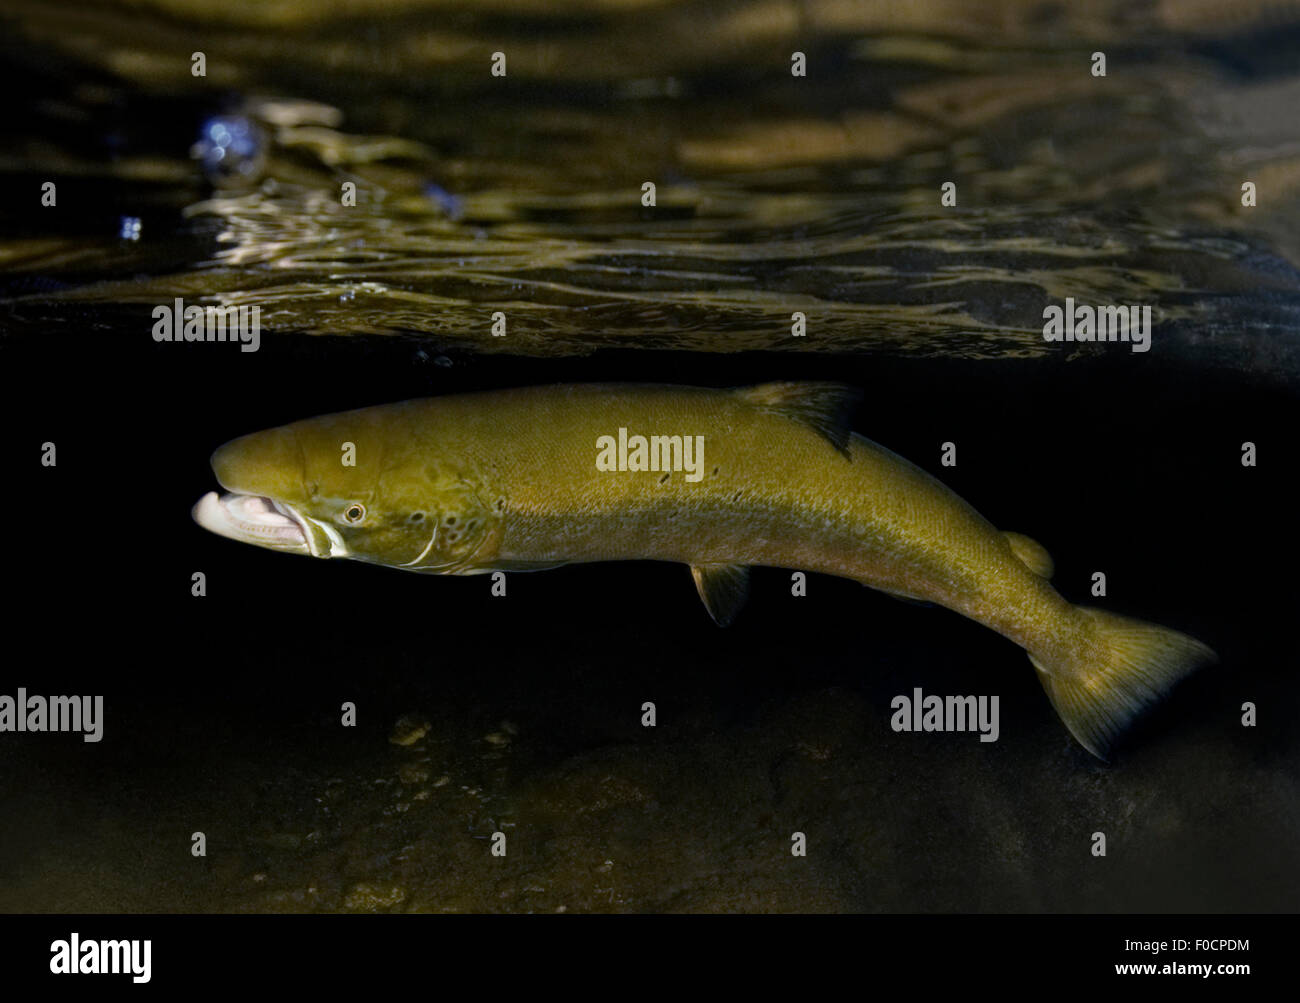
column 775, row 194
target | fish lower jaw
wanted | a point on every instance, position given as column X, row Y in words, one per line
column 254, row 519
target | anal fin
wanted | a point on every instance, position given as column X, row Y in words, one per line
column 903, row 596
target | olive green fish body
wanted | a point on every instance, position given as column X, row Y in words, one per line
column 768, row 475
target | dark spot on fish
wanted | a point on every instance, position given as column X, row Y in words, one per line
column 451, row 520
column 715, row 471
column 417, row 517
column 501, row 505
column 664, row 478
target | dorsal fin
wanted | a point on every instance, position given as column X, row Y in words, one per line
column 723, row 587
column 824, row 407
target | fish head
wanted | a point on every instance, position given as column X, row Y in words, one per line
column 363, row 485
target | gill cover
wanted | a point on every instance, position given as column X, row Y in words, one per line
column 460, row 531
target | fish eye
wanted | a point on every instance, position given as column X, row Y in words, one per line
column 354, row 512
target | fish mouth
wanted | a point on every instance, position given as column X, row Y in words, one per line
column 259, row 520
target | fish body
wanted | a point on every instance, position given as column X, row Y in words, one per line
column 720, row 480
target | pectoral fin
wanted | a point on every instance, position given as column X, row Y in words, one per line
column 723, row 587
column 524, row 565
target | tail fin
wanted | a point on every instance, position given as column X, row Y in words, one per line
column 1122, row 667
